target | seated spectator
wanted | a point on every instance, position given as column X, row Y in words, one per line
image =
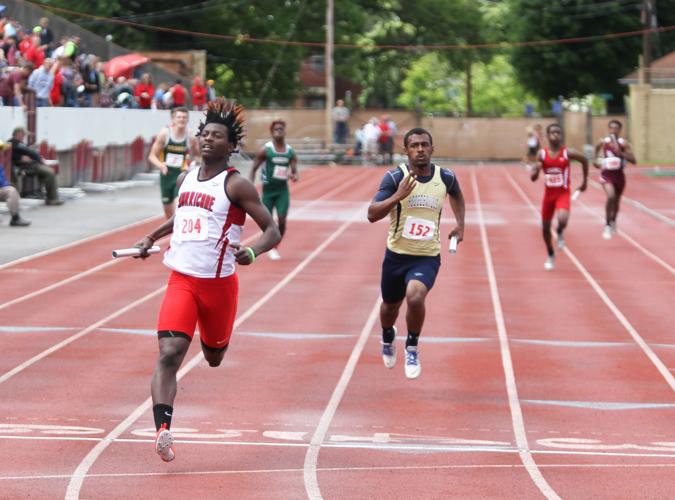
column 41, row 81
column 30, row 160
column 9, row 194
column 34, row 53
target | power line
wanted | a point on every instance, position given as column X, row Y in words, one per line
column 244, row 38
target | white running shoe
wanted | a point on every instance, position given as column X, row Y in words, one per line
column 612, row 227
column 413, row 367
column 164, row 444
column 607, row 232
column 389, row 352
column 549, row 265
column 274, row 254
column 561, row 241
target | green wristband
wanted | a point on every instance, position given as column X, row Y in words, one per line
column 251, row 253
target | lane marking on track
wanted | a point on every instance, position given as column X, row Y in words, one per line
column 639, row 206
column 77, row 478
column 311, row 457
column 656, row 361
column 509, row 375
column 78, row 242
column 342, row 469
column 632, row 241
column 48, row 288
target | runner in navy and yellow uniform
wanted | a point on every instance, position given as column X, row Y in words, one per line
column 555, row 162
column 612, row 153
column 281, row 164
column 170, row 152
column 412, row 195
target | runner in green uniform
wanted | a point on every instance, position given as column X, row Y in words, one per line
column 169, row 153
column 280, row 164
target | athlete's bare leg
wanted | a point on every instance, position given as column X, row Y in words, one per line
column 172, row 351
column 612, row 204
column 389, row 313
column 213, row 355
column 546, row 227
column 415, row 295
column 563, row 218
column 282, row 224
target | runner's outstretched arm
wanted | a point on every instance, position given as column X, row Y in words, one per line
column 458, row 208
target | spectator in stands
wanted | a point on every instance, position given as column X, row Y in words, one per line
column 30, row 160
column 13, row 85
column 46, row 35
column 68, row 88
column 9, row 194
column 91, row 81
column 178, row 94
column 121, row 87
column 386, row 140
column 158, row 97
column 144, row 91
column 11, row 52
column 72, row 48
column 55, row 95
column 9, row 29
column 199, row 94
column 371, row 136
column 34, row 53
column 60, row 51
column 41, row 81
column 3, row 59
column 210, row 91
column 341, row 116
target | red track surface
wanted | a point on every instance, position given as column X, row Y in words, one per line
column 533, row 384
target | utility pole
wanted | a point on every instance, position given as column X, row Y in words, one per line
column 647, row 18
column 330, row 82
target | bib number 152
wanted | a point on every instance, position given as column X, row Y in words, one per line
column 418, row 229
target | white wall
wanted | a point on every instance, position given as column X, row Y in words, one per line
column 65, row 127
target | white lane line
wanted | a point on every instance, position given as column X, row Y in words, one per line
column 630, row 240
column 639, row 206
column 312, row 455
column 344, row 469
column 46, row 289
column 78, row 242
column 663, row 370
column 6, row 376
column 77, row 478
column 509, row 375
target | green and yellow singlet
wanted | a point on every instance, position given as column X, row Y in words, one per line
column 277, row 168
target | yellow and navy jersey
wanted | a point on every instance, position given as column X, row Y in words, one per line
column 414, row 223
column 175, row 153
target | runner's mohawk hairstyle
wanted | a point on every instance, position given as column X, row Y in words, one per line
column 226, row 113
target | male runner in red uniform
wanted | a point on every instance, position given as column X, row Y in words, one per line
column 555, row 162
column 213, row 201
column 612, row 153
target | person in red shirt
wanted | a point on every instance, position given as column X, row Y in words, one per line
column 144, row 91
column 199, row 94
column 555, row 162
column 385, row 141
column 178, row 93
column 55, row 96
column 35, row 53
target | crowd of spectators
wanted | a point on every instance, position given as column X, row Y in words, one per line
column 61, row 74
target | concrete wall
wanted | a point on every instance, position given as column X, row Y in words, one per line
column 469, row 138
column 652, row 121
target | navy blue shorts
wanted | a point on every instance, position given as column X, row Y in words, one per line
column 399, row 269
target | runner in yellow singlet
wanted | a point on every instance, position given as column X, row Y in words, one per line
column 412, row 195
column 170, row 152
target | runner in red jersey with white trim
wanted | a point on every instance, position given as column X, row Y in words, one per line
column 213, row 201
column 612, row 153
column 555, row 163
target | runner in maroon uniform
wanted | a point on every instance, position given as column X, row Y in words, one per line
column 555, row 162
column 612, row 153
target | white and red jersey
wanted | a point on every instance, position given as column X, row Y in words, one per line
column 556, row 169
column 610, row 159
column 205, row 224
